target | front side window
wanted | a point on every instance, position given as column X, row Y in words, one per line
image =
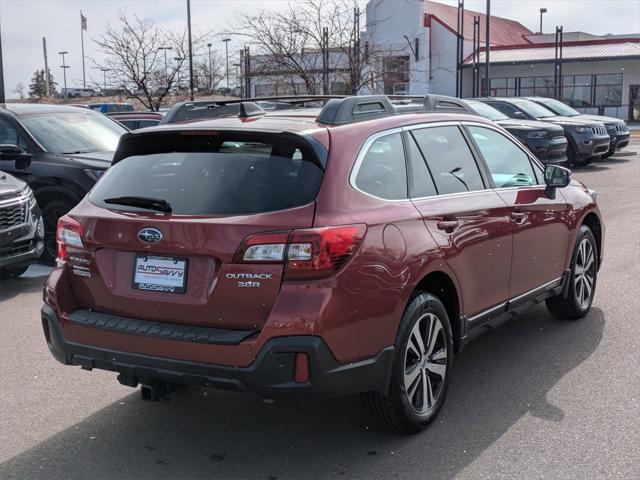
column 383, row 172
column 532, row 108
column 508, row 110
column 450, row 161
column 508, row 165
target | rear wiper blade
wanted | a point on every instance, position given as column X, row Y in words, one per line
column 142, row 202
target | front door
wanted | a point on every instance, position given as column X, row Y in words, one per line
column 539, row 230
column 469, row 222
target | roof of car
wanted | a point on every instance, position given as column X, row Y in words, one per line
column 27, row 108
column 306, row 120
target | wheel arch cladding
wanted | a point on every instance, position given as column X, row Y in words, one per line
column 593, row 222
column 441, row 285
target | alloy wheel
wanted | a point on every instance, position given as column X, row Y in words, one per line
column 584, row 273
column 425, row 364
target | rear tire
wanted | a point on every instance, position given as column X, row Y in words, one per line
column 51, row 212
column 9, row 273
column 582, row 279
column 421, row 369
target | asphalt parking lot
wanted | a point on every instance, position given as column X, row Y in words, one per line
column 538, row 398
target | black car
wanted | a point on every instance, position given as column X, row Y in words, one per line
column 588, row 140
column 545, row 140
column 21, row 228
column 70, row 149
column 617, row 129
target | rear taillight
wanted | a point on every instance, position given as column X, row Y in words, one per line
column 69, row 233
column 308, row 254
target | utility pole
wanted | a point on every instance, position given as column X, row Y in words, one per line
column 83, row 27
column 226, row 47
column 190, row 50
column 487, row 51
column 325, row 60
column 46, row 68
column 2, row 99
column 210, row 68
column 166, row 72
column 460, row 48
column 542, row 10
column 64, row 67
column 557, row 67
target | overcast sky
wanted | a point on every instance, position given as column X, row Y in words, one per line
column 23, row 23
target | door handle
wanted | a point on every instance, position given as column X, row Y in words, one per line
column 519, row 217
column 447, row 225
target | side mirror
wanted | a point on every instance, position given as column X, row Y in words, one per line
column 556, row 176
column 10, row 152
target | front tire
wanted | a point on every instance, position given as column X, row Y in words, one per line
column 51, row 212
column 9, row 273
column 582, row 279
column 421, row 368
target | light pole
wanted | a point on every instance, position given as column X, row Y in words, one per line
column 166, row 75
column 104, row 72
column 210, row 68
column 226, row 46
column 237, row 75
column 190, row 50
column 64, row 67
column 542, row 11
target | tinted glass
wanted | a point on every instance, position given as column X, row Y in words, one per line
column 383, row 172
column 508, row 110
column 508, row 164
column 421, row 181
column 560, row 108
column 74, row 132
column 130, row 124
column 533, row 109
column 9, row 135
column 148, row 123
column 230, row 176
column 449, row 159
column 486, row 111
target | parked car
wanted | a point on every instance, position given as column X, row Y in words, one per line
column 588, row 140
column 111, row 107
column 136, row 120
column 21, row 228
column 545, row 140
column 617, row 129
column 351, row 249
column 77, row 92
column 70, row 148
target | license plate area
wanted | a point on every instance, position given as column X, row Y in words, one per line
column 157, row 273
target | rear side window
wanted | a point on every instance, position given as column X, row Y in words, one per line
column 217, row 175
column 508, row 164
column 383, row 171
column 505, row 108
column 421, row 182
column 452, row 165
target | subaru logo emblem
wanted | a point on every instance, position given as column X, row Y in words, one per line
column 150, row 235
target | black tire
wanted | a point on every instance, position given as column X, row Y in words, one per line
column 582, row 279
column 401, row 410
column 572, row 156
column 51, row 212
column 9, row 273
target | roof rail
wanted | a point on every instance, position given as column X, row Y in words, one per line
column 366, row 107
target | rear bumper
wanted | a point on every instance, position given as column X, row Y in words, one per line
column 271, row 375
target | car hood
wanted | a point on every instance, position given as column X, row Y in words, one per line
column 529, row 125
column 572, row 121
column 601, row 119
column 91, row 160
column 10, row 185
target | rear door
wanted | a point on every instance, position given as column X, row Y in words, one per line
column 181, row 266
column 538, row 221
column 468, row 220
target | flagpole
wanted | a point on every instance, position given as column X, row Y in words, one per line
column 84, row 82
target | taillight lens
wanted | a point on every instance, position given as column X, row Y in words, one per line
column 68, row 233
column 308, row 254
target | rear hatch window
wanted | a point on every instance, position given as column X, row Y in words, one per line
column 214, row 173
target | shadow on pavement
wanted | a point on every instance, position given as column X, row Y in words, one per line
column 23, row 284
column 200, row 433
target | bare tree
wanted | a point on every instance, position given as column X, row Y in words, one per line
column 135, row 61
column 297, row 45
column 19, row 90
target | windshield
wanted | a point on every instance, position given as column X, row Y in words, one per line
column 233, row 176
column 73, row 132
column 560, row 108
column 533, row 109
column 487, row 111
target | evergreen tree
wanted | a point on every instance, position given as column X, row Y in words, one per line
column 38, row 87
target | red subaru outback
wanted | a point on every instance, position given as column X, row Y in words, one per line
column 351, row 249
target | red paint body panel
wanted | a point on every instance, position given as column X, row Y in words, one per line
column 356, row 311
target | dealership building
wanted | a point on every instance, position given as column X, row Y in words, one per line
column 600, row 74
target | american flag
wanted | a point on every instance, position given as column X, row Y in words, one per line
column 83, row 22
